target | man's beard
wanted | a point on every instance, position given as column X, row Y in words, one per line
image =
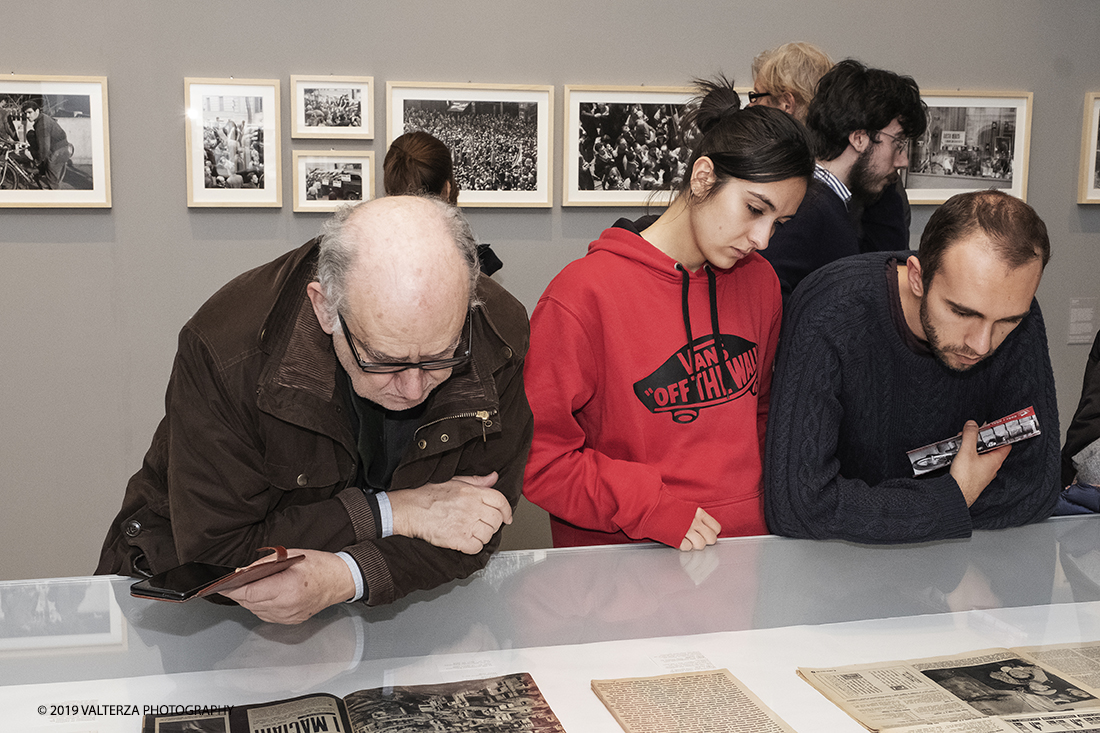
column 863, row 181
column 942, row 352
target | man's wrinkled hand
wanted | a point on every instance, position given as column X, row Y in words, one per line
column 461, row 514
column 971, row 471
column 303, row 589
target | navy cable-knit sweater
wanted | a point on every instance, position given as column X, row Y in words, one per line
column 849, row 398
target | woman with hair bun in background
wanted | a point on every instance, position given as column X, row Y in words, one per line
column 651, row 357
column 419, row 163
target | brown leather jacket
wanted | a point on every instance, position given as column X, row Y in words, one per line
column 256, row 447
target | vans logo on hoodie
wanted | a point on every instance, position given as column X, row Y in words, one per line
column 701, row 374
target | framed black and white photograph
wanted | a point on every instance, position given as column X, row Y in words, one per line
column 332, row 107
column 229, row 125
column 53, row 141
column 325, row 180
column 1088, row 189
column 500, row 136
column 974, row 141
column 623, row 145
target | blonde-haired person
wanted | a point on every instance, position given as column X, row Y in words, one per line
column 786, row 77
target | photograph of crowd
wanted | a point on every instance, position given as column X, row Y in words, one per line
column 494, row 144
column 228, row 122
column 630, row 147
column 233, row 141
column 971, row 144
column 46, row 142
column 333, row 107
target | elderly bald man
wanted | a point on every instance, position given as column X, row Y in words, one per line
column 359, row 399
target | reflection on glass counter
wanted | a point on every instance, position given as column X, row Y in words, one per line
column 76, row 629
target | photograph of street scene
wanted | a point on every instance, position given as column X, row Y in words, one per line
column 334, row 181
column 964, row 147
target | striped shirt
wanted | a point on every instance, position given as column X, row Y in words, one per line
column 835, row 184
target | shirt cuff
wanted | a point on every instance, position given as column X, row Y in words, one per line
column 356, row 575
column 385, row 513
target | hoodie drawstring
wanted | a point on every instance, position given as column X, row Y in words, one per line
column 684, row 299
column 712, row 290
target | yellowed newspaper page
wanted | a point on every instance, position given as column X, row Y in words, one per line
column 1077, row 722
column 888, row 695
column 1078, row 661
column 1080, row 721
column 982, row 725
column 710, row 701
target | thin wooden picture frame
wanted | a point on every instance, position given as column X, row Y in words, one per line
column 324, row 180
column 1088, row 185
column 233, row 142
column 332, row 107
column 600, row 121
column 61, row 158
column 500, row 135
column 974, row 141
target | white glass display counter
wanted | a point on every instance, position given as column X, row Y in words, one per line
column 760, row 606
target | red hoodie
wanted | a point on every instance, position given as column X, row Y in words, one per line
column 639, row 416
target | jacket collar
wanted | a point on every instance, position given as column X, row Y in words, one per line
column 299, row 385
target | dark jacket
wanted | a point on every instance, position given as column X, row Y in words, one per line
column 48, row 137
column 1085, row 428
column 820, row 232
column 256, row 448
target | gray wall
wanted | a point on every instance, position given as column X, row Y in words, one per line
column 92, row 299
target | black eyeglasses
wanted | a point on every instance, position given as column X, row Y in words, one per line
column 753, row 96
column 392, row 367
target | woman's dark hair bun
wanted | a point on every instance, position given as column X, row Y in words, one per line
column 716, row 99
column 760, row 144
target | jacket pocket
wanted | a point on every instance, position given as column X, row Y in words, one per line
column 304, row 475
column 147, row 544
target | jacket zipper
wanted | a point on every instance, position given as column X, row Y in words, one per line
column 482, row 415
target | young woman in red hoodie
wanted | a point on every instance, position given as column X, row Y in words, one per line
column 651, row 357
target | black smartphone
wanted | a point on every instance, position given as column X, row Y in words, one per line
column 203, row 579
column 180, row 583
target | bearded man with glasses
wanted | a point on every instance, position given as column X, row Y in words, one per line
column 360, row 398
column 860, row 121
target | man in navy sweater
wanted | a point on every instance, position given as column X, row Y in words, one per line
column 883, row 353
column 861, row 121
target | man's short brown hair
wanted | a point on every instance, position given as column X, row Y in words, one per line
column 1018, row 235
